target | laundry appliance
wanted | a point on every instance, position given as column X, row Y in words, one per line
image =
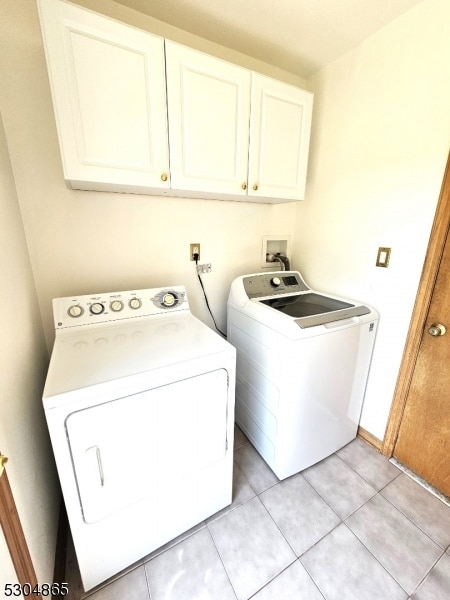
column 139, row 401
column 303, row 359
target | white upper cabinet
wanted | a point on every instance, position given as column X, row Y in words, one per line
column 108, row 88
column 212, row 146
column 279, row 139
column 208, row 104
column 230, row 133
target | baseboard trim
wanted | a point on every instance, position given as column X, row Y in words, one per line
column 369, row 438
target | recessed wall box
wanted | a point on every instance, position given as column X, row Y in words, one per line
column 272, row 244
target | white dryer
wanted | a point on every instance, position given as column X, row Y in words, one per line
column 303, row 359
column 139, row 401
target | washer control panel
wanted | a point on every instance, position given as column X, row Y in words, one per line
column 89, row 309
column 271, row 284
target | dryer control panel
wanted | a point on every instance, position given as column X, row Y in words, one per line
column 91, row 309
column 272, row 284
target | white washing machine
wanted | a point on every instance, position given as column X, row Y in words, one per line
column 139, row 401
column 303, row 359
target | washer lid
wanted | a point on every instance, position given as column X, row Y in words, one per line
column 311, row 309
column 305, row 305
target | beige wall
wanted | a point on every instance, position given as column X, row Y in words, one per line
column 23, row 363
column 381, row 135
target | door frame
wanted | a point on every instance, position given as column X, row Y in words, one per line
column 438, row 235
column 14, row 536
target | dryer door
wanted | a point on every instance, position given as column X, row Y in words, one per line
column 130, row 448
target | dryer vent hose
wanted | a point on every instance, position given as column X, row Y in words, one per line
column 281, row 258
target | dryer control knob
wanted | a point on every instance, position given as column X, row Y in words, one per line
column 116, row 305
column 169, row 299
column 275, row 281
column 96, row 308
column 135, row 303
column 75, row 311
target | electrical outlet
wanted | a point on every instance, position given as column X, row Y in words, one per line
column 194, row 249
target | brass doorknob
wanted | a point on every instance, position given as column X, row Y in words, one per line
column 437, row 329
column 255, row 187
column 3, row 461
column 244, row 186
column 164, row 177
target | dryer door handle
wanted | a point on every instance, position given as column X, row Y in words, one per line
column 99, row 463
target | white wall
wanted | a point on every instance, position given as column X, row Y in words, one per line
column 381, row 135
column 23, row 363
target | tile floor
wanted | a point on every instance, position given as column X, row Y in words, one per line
column 351, row 527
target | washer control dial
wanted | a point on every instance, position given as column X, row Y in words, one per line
column 75, row 311
column 97, row 308
column 275, row 281
column 135, row 303
column 116, row 305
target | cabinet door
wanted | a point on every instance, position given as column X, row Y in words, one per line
column 208, row 107
column 279, row 139
column 108, row 88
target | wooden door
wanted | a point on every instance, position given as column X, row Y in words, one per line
column 209, row 110
column 280, row 128
column 423, row 442
column 15, row 540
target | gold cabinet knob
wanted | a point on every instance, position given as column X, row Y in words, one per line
column 244, row 186
column 164, row 177
column 255, row 186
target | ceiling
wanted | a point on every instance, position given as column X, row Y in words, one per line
column 299, row 36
